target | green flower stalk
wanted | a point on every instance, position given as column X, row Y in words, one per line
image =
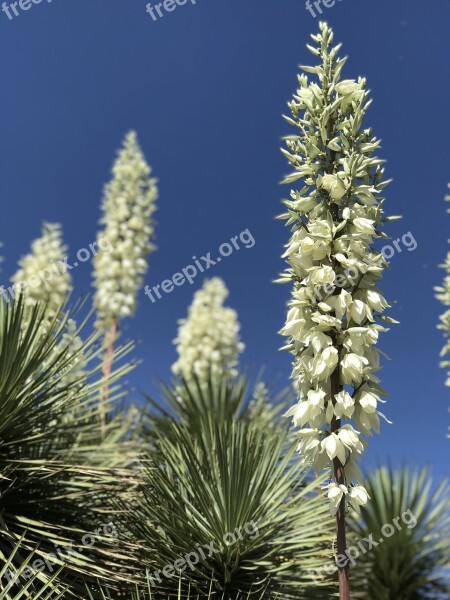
column 128, row 205
column 333, row 320
column 443, row 296
column 208, row 339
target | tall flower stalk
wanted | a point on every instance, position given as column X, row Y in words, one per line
column 333, row 318
column 128, row 205
column 443, row 295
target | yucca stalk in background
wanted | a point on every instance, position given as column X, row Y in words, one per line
column 412, row 516
column 56, row 474
column 443, row 295
column 42, row 276
column 208, row 339
column 336, row 217
column 217, row 476
column 128, row 205
column 43, row 279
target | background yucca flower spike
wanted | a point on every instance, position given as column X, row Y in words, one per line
column 128, row 205
column 208, row 339
column 41, row 277
column 443, row 295
column 44, row 280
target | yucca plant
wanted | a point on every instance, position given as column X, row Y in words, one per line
column 145, row 593
column 222, row 491
column 56, row 475
column 50, row 589
column 125, row 241
column 229, row 398
column 412, row 517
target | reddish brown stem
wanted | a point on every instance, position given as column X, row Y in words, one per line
column 107, row 370
column 339, row 474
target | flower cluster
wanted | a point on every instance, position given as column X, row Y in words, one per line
column 334, row 314
column 42, row 280
column 208, row 339
column 443, row 295
column 40, row 277
column 128, row 206
column 356, row 496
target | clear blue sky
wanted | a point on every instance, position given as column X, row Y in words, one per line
column 205, row 87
